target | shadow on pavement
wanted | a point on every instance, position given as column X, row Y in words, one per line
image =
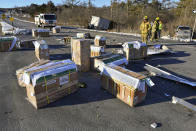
column 182, row 44
column 58, row 35
column 27, row 49
column 161, row 59
column 92, row 93
column 173, row 73
column 114, row 46
column 60, row 56
column 192, row 101
column 179, row 54
column 67, row 27
column 56, row 46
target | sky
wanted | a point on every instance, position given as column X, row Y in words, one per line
column 18, row 3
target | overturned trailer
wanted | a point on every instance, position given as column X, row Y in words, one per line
column 99, row 23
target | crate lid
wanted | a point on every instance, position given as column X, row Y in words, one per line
column 131, row 73
column 127, row 77
column 49, row 70
column 2, row 39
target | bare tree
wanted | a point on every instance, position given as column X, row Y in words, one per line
column 128, row 8
column 90, row 5
column 113, row 9
column 71, row 3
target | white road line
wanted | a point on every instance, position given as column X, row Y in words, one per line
column 118, row 33
column 24, row 21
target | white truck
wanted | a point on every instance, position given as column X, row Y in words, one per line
column 45, row 20
column 184, row 33
column 99, row 23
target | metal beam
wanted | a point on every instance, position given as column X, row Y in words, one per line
column 167, row 75
column 190, row 106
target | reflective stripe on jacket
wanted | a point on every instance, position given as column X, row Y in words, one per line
column 155, row 26
column 160, row 25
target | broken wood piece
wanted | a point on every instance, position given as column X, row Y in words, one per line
column 188, row 105
column 154, row 125
column 158, row 49
column 166, row 75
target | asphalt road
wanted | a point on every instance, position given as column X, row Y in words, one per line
column 93, row 108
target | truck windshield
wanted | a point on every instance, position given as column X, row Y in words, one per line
column 50, row 17
column 184, row 28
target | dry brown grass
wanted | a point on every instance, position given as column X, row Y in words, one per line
column 80, row 16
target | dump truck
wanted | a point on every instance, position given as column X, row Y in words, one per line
column 99, row 23
column 45, row 20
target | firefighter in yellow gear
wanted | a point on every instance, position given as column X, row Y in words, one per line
column 155, row 29
column 145, row 29
column 160, row 29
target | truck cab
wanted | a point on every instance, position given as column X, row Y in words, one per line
column 45, row 20
column 183, row 33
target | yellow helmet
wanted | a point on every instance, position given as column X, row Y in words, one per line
column 145, row 17
column 157, row 18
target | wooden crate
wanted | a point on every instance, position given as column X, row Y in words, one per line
column 54, row 80
column 96, row 50
column 80, row 49
column 6, row 43
column 46, row 93
column 100, row 41
column 26, row 44
column 42, row 54
column 67, row 40
column 83, row 35
column 56, row 30
column 133, row 53
column 40, row 33
column 48, row 96
column 41, row 50
column 126, row 93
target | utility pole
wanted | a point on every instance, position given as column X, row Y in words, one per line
column 128, row 3
column 89, row 3
column 111, row 10
column 194, row 11
column 89, row 6
column 118, row 19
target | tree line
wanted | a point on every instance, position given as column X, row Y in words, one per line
column 126, row 14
